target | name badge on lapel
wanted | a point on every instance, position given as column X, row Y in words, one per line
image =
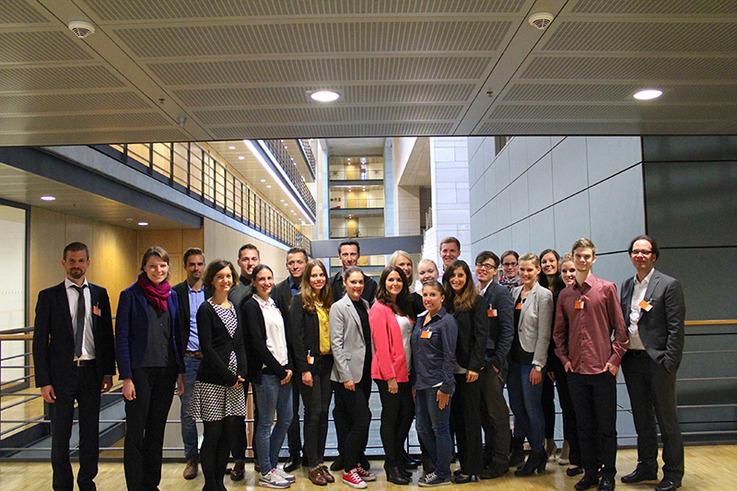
column 579, row 305
column 646, row 306
column 426, row 334
column 490, row 312
column 96, row 310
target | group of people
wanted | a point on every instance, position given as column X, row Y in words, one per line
column 440, row 355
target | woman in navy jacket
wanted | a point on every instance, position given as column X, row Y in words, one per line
column 150, row 364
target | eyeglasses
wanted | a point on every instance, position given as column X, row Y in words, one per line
column 485, row 266
column 509, row 265
column 638, row 252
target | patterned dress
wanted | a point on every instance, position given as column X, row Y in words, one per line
column 212, row 402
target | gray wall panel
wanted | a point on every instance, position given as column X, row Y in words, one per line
column 572, row 220
column 570, row 172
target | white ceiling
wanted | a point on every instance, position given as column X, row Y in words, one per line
column 235, row 69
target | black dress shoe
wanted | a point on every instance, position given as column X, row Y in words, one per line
column 589, row 479
column 640, row 475
column 337, row 464
column 493, row 471
column 574, row 471
column 463, row 478
column 408, row 462
column 406, row 473
column 607, row 483
column 292, row 464
column 668, row 484
column 394, row 476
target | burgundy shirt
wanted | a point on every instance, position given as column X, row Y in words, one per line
column 584, row 336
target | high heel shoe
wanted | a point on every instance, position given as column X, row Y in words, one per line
column 535, row 463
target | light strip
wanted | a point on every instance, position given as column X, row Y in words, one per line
column 276, row 178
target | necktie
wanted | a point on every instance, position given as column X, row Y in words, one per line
column 79, row 324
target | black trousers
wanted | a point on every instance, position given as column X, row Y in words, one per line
column 352, row 419
column 397, row 414
column 214, row 451
column 145, row 422
column 294, row 440
column 566, row 407
column 466, row 424
column 652, row 391
column 494, row 416
column 317, row 409
column 84, row 387
column 595, row 403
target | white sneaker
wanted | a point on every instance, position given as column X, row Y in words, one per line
column 284, row 475
column 272, row 480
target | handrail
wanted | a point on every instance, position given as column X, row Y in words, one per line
column 715, row 322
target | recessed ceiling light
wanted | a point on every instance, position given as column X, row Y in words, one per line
column 325, row 96
column 263, row 180
column 48, row 198
column 268, row 186
column 281, row 200
column 241, row 157
column 232, row 147
column 286, row 204
column 142, row 224
column 648, row 94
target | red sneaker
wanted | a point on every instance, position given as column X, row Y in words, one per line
column 364, row 474
column 352, row 479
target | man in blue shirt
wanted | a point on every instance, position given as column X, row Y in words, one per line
column 190, row 294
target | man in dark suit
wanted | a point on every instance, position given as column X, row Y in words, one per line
column 654, row 310
column 494, row 411
column 349, row 251
column 282, row 295
column 74, row 359
column 190, row 295
column 248, row 258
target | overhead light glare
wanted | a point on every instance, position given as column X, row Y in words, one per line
column 268, row 186
column 48, row 198
column 325, row 96
column 263, row 180
column 241, row 157
column 232, row 147
column 648, row 94
column 142, row 224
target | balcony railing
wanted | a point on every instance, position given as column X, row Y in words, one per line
column 356, row 174
column 285, row 161
column 357, row 203
column 306, row 148
column 192, row 170
column 344, row 233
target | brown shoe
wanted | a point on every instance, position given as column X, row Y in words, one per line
column 239, row 470
column 190, row 472
column 326, row 473
column 317, row 477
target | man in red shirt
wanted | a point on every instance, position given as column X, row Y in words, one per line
column 587, row 315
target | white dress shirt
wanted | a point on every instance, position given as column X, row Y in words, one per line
column 276, row 338
column 638, row 295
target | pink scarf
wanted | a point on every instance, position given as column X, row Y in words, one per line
column 155, row 294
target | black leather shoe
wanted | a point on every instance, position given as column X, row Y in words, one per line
column 606, row 484
column 292, row 464
column 494, row 471
column 589, row 479
column 337, row 464
column 466, row 478
column 394, row 476
column 404, row 472
column 640, row 475
column 667, row 484
column 574, row 471
column 408, row 462
column 517, row 453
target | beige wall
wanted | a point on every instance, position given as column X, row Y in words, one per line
column 174, row 242
column 224, row 242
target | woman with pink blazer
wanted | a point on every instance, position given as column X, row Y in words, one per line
column 391, row 324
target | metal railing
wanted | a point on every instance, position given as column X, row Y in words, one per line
column 346, row 201
column 192, row 170
column 285, row 161
column 306, row 149
column 356, row 174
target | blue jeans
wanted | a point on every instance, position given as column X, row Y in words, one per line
column 526, row 401
column 189, row 427
column 271, row 396
column 433, row 428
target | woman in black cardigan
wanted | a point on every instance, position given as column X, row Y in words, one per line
column 467, row 306
column 218, row 396
column 313, row 360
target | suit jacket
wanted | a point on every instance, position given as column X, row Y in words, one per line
column 347, row 341
column 305, row 335
column 661, row 330
column 53, row 336
column 182, row 290
column 216, row 346
column 535, row 322
column 131, row 330
column 501, row 327
column 257, row 351
column 473, row 330
column 338, row 289
column 389, row 359
column 282, row 295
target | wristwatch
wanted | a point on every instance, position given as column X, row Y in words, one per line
column 538, row 368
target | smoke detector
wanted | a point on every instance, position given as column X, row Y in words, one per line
column 81, row 28
column 541, row 20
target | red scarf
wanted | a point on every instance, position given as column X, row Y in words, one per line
column 155, row 294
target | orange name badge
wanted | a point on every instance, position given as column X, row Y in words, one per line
column 579, row 305
column 518, row 306
column 426, row 334
column 491, row 313
column 646, row 306
column 96, row 310
column 310, row 360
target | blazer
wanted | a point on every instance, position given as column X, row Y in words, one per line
column 501, row 327
column 473, row 331
column 347, row 342
column 338, row 289
column 131, row 330
column 662, row 329
column 535, row 322
column 282, row 295
column 305, row 335
column 182, row 290
column 53, row 336
column 389, row 359
column 260, row 359
column 241, row 293
column 216, row 346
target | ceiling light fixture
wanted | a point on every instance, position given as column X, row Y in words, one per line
column 232, row 147
column 142, row 224
column 263, row 180
column 48, row 198
column 648, row 94
column 241, row 157
column 268, row 186
column 325, row 96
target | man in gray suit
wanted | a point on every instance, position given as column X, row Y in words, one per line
column 654, row 310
